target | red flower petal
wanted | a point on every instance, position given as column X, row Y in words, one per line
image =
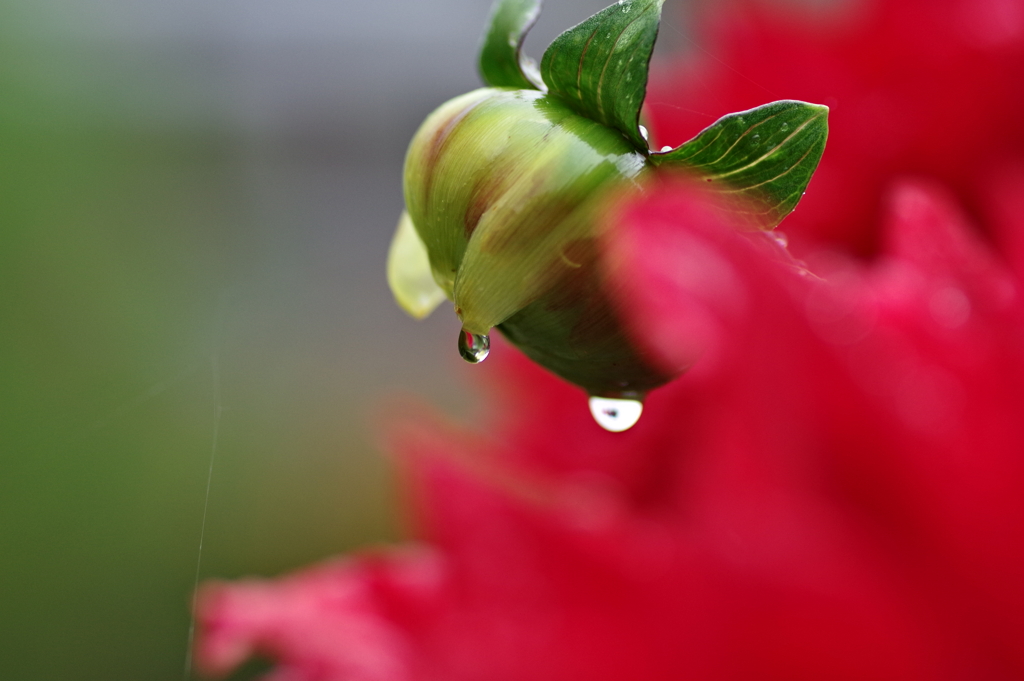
column 834, row 488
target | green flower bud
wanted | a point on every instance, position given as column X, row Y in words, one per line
column 504, row 187
column 499, row 184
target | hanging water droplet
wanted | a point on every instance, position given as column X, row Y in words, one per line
column 614, row 414
column 474, row 347
column 643, row 132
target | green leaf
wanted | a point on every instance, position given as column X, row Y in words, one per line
column 409, row 275
column 765, row 155
column 599, row 67
column 502, row 63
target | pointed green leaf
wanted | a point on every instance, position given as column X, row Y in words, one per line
column 765, row 155
column 409, row 274
column 502, row 63
column 600, row 66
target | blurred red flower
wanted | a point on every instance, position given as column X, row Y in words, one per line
column 835, row 489
column 926, row 87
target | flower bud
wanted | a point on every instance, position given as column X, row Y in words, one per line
column 499, row 184
column 505, row 187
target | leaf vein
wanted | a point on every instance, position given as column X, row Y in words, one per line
column 737, row 140
column 770, row 153
column 714, row 139
column 579, row 68
column 772, row 179
column 611, row 53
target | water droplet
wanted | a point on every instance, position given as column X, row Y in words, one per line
column 643, row 132
column 625, row 9
column 614, row 414
column 784, row 127
column 666, row 148
column 781, row 239
column 756, row 138
column 474, row 347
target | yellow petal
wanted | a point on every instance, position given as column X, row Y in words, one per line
column 409, row 275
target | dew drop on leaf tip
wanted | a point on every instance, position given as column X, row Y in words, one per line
column 615, row 414
column 474, row 347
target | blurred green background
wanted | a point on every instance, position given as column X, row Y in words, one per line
column 195, row 204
